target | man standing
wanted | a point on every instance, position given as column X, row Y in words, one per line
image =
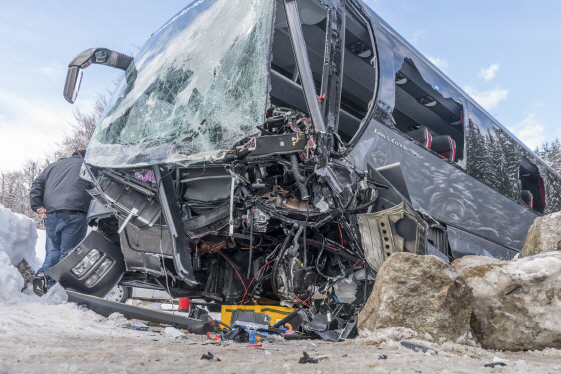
column 60, row 196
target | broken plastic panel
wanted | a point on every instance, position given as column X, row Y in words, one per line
column 196, row 87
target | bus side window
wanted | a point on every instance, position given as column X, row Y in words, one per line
column 425, row 115
column 494, row 156
column 286, row 90
column 532, row 188
column 359, row 75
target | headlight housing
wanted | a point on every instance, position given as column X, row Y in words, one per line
column 86, row 263
column 100, row 272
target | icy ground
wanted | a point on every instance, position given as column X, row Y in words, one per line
column 60, row 338
column 39, row 338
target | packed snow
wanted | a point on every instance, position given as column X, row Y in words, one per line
column 40, row 246
column 17, row 242
column 50, row 335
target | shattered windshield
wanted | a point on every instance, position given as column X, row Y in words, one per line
column 196, row 87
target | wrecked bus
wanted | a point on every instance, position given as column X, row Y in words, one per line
column 278, row 152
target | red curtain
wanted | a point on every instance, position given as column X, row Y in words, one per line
column 542, row 190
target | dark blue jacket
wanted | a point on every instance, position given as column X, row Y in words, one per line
column 59, row 186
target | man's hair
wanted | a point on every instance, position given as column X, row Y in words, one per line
column 81, row 152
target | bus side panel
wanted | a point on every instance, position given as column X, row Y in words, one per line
column 463, row 243
column 444, row 191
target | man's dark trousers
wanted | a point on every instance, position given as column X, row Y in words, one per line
column 66, row 231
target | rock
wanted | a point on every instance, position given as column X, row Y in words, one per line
column 26, row 272
column 516, row 304
column 543, row 236
column 421, row 293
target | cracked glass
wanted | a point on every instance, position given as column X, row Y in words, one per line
column 196, row 87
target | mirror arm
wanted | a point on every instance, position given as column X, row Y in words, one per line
column 100, row 56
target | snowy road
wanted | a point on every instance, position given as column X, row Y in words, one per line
column 60, row 338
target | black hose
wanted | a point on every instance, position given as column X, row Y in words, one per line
column 299, row 178
column 305, row 241
column 317, row 264
column 365, row 205
column 250, row 244
column 270, row 212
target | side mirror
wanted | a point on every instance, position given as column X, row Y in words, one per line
column 72, row 85
column 101, row 56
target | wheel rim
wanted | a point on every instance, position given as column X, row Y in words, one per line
column 116, row 294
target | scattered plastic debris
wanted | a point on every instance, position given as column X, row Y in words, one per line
column 382, row 357
column 83, row 307
column 417, row 347
column 215, row 338
column 173, row 332
column 306, row 359
column 209, row 356
column 177, row 334
column 204, row 327
column 492, row 365
column 139, row 326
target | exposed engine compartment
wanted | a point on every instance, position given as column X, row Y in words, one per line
column 267, row 224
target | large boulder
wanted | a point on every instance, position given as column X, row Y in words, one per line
column 421, row 293
column 516, row 304
column 544, row 235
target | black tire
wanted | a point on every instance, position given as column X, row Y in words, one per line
column 118, row 294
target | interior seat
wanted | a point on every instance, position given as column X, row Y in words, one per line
column 527, row 198
column 422, row 135
column 445, row 146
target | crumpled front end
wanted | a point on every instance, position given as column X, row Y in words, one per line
column 277, row 214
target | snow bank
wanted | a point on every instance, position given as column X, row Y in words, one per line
column 40, row 246
column 17, row 242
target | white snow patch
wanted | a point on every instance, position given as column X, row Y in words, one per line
column 40, row 250
column 11, row 281
column 389, row 334
column 17, row 242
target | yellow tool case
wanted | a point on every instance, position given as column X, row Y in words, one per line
column 275, row 312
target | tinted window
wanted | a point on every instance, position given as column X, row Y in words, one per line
column 494, row 156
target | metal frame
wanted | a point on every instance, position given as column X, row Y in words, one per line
column 332, row 80
column 106, row 307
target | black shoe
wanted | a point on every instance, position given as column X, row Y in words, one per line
column 40, row 284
